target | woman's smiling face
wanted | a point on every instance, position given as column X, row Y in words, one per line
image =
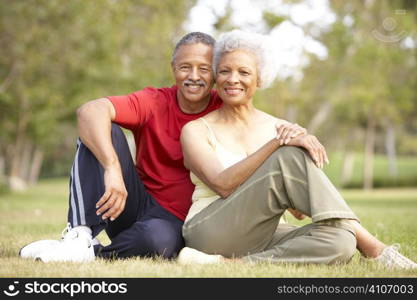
column 237, row 77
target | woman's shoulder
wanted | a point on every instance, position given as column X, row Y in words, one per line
column 268, row 118
column 208, row 118
column 198, row 125
column 211, row 116
column 191, row 126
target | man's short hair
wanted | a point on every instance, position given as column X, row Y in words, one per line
column 194, row 38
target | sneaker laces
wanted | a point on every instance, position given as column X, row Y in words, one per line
column 70, row 234
column 392, row 258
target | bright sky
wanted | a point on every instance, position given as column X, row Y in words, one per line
column 290, row 41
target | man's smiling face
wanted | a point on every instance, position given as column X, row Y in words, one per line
column 193, row 73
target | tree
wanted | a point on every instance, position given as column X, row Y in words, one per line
column 56, row 55
column 366, row 85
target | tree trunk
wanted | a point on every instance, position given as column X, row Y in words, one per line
column 25, row 159
column 347, row 168
column 16, row 183
column 391, row 151
column 320, row 117
column 291, row 113
column 36, row 165
column 368, row 162
column 2, row 170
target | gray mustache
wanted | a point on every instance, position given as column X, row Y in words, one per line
column 198, row 82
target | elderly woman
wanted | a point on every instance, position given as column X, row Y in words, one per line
column 249, row 167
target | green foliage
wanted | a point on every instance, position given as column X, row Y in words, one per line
column 380, row 74
column 367, row 78
column 408, row 145
column 272, row 19
column 56, row 55
column 223, row 22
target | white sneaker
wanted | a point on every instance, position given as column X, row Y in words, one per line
column 74, row 246
column 33, row 249
column 392, row 259
column 192, row 256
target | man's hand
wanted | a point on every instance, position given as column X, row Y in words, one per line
column 285, row 132
column 314, row 148
column 112, row 203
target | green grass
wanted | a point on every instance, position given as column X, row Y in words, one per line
column 406, row 165
column 40, row 213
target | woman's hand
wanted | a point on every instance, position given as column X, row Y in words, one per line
column 297, row 214
column 314, row 148
column 288, row 131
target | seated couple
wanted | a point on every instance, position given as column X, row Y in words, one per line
column 248, row 168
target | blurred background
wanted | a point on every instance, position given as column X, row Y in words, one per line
column 347, row 72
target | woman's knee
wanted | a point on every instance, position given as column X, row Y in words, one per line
column 344, row 246
column 288, row 158
column 288, row 152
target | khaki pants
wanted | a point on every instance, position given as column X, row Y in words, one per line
column 246, row 224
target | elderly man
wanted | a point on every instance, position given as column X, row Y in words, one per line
column 142, row 207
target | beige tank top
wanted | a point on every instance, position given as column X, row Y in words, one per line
column 203, row 196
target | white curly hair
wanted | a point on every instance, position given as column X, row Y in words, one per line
column 260, row 45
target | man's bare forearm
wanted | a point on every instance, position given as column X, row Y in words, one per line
column 94, row 128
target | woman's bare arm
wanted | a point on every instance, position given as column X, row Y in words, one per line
column 200, row 158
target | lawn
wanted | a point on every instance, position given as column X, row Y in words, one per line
column 40, row 213
column 406, row 165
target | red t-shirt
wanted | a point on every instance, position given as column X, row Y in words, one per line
column 155, row 119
